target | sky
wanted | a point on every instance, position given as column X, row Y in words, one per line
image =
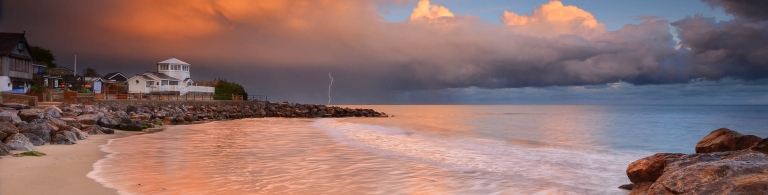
column 424, row 51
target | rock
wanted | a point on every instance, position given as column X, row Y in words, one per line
column 19, row 142
column 30, row 115
column 5, row 150
column 744, row 172
column 131, row 127
column 8, row 128
column 61, row 139
column 724, row 139
column 52, row 112
column 72, row 122
column 80, row 134
column 107, row 122
column 3, row 135
column 640, row 188
column 10, row 117
column 88, row 119
column 36, row 141
column 108, row 131
column 93, row 130
column 59, row 124
column 761, row 146
column 41, row 130
column 650, row 168
column 16, row 106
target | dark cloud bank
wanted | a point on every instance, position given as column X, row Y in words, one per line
column 285, row 49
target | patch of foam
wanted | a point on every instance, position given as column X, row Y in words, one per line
column 560, row 169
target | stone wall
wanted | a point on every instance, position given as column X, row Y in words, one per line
column 18, row 98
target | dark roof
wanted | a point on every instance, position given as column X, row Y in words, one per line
column 117, row 76
column 8, row 42
column 144, row 76
column 162, row 76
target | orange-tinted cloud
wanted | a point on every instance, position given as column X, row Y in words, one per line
column 552, row 19
column 424, row 10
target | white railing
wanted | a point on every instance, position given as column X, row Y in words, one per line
column 181, row 89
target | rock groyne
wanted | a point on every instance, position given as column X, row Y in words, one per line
column 23, row 128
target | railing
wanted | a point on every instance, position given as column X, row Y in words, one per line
column 183, row 90
column 262, row 98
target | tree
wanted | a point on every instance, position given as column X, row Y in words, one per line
column 225, row 90
column 90, row 72
column 44, row 56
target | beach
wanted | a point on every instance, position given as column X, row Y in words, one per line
column 61, row 171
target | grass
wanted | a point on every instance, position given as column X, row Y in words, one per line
column 31, row 153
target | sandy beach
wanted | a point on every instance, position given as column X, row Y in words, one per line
column 62, row 171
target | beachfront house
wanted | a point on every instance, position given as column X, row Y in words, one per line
column 172, row 77
column 16, row 67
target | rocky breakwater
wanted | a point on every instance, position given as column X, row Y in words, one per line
column 24, row 128
column 726, row 162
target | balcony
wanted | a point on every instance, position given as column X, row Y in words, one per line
column 182, row 90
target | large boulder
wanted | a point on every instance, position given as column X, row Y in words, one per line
column 107, row 122
column 61, row 139
column 650, row 168
column 10, row 117
column 59, row 124
column 88, row 119
column 42, row 130
column 52, row 112
column 744, row 172
column 724, row 139
column 19, row 142
column 72, row 122
column 8, row 128
column 36, row 141
column 30, row 115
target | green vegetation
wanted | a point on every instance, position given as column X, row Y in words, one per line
column 158, row 123
column 44, row 56
column 225, row 90
column 83, row 91
column 146, row 125
column 35, row 89
column 31, row 153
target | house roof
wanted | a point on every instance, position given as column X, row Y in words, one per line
column 8, row 42
column 173, row 61
column 145, row 77
column 161, row 76
column 117, row 76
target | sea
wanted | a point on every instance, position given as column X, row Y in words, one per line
column 420, row 149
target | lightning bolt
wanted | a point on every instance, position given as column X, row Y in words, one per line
column 329, row 89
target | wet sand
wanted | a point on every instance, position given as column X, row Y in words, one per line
column 61, row 171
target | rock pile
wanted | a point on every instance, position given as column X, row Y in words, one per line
column 726, row 162
column 24, row 128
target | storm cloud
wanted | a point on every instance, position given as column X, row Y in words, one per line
column 284, row 48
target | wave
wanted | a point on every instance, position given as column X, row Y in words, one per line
column 550, row 169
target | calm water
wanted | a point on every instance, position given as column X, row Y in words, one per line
column 422, row 150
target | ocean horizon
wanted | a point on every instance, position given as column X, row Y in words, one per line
column 423, row 149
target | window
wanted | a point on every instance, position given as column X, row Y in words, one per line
column 165, row 82
column 173, row 83
column 149, row 83
column 20, row 46
column 137, row 81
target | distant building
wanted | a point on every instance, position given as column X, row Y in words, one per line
column 172, row 77
column 115, row 77
column 15, row 63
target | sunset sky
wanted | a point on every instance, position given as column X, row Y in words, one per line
column 426, row 52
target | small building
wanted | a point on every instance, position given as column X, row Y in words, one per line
column 172, row 77
column 16, row 68
column 116, row 77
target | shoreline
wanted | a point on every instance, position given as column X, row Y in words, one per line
column 63, row 170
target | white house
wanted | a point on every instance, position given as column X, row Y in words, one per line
column 172, row 77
